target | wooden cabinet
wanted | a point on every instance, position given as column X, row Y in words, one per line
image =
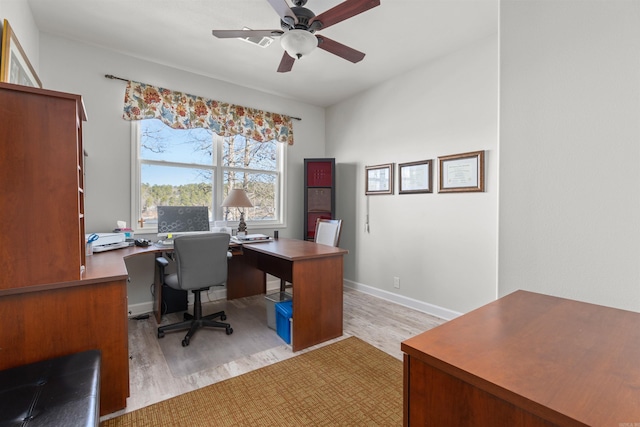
column 319, row 193
column 69, row 318
column 42, row 190
column 526, row 360
column 53, row 300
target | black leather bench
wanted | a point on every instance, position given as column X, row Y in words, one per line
column 64, row 391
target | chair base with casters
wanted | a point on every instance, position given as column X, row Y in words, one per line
column 196, row 321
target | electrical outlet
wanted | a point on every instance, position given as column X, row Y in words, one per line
column 396, row 282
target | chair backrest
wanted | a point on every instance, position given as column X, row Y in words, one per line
column 328, row 231
column 201, row 260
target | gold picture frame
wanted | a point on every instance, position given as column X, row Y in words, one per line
column 14, row 65
column 462, row 172
column 415, row 177
column 379, row 179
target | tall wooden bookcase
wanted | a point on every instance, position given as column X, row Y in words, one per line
column 42, row 190
column 319, row 193
column 53, row 300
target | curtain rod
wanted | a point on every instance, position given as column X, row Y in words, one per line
column 111, row 76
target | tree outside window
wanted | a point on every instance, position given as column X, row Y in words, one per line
column 196, row 167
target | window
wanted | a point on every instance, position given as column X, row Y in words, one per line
column 197, row 167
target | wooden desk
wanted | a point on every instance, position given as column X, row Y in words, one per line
column 526, row 360
column 316, row 274
column 40, row 322
column 56, row 319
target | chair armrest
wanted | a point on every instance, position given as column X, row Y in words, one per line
column 162, row 261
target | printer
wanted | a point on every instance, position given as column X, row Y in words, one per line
column 109, row 241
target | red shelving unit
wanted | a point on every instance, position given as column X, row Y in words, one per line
column 319, row 193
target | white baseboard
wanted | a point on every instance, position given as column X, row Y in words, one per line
column 415, row 304
column 274, row 285
column 142, row 308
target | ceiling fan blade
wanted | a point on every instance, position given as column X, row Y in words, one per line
column 344, row 10
column 283, row 9
column 286, row 63
column 339, row 49
column 230, row 34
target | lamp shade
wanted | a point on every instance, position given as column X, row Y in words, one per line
column 237, row 198
column 298, row 43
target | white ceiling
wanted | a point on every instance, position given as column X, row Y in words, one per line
column 396, row 36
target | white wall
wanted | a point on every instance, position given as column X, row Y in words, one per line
column 569, row 205
column 443, row 247
column 18, row 13
column 570, row 150
column 78, row 68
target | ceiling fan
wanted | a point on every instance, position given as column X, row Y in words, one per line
column 299, row 25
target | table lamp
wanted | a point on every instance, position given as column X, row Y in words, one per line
column 237, row 198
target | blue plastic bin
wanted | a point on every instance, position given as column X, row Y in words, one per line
column 284, row 312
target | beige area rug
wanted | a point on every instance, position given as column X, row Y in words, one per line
column 348, row 383
column 211, row 347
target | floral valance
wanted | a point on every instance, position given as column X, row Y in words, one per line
column 183, row 111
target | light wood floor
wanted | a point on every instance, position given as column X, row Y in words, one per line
column 380, row 323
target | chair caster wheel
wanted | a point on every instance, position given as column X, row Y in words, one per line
column 223, row 317
column 229, row 331
column 160, row 334
column 185, row 342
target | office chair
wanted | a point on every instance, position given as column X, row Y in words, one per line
column 201, row 262
column 327, row 233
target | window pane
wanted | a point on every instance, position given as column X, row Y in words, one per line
column 160, row 142
column 242, row 152
column 193, row 157
column 261, row 189
column 173, row 186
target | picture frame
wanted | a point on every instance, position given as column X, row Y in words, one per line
column 379, row 179
column 461, row 172
column 415, row 177
column 14, row 65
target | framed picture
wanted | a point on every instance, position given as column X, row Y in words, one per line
column 415, row 177
column 14, row 64
column 379, row 179
column 462, row 172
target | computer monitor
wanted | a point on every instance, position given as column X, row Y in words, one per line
column 179, row 220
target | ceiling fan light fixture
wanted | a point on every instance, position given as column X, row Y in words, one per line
column 298, row 43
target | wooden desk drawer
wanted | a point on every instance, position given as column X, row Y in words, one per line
column 275, row 266
column 278, row 267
